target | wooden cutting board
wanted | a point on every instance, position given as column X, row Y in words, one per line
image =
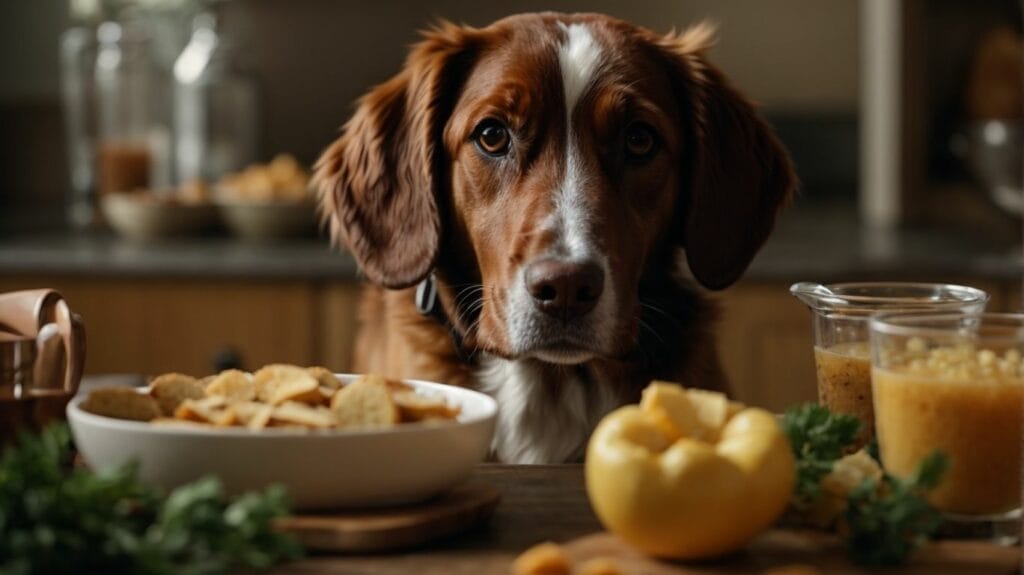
column 389, row 529
column 784, row 551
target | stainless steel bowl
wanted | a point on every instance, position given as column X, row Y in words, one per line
column 994, row 151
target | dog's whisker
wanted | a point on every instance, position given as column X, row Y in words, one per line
column 644, row 325
column 653, row 308
column 467, row 293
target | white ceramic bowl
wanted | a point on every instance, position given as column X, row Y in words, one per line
column 268, row 220
column 321, row 469
column 136, row 217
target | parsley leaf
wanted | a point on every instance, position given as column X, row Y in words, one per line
column 55, row 519
column 818, row 438
column 885, row 519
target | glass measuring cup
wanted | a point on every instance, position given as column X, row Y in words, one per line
column 954, row 383
column 840, row 314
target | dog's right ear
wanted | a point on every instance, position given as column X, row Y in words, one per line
column 380, row 182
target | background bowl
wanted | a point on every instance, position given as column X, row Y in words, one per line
column 140, row 217
column 334, row 468
column 269, row 220
column 994, row 151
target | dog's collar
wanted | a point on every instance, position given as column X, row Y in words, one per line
column 429, row 305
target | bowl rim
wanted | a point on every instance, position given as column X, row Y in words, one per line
column 136, row 201
column 490, row 410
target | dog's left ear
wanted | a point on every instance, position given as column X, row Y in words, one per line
column 741, row 174
column 381, row 181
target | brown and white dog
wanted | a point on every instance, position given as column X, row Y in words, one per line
column 547, row 173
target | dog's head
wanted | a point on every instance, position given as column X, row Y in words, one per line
column 554, row 163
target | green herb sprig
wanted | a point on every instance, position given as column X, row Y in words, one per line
column 818, row 438
column 885, row 519
column 890, row 518
column 55, row 519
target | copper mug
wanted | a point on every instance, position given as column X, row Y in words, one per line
column 42, row 356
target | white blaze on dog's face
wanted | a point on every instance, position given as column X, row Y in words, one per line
column 547, row 167
column 565, row 155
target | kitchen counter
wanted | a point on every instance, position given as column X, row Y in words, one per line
column 810, row 243
column 96, row 255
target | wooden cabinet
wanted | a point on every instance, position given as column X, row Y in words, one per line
column 764, row 341
column 337, row 331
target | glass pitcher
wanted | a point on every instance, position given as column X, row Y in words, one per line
column 841, row 341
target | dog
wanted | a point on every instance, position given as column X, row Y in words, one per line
column 526, row 200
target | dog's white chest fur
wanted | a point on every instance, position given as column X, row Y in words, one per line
column 545, row 413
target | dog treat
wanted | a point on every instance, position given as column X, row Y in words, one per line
column 324, row 377
column 293, row 412
column 252, row 414
column 171, row 389
column 121, row 403
column 365, row 403
column 550, row 559
column 212, row 409
column 278, row 383
column 278, row 395
column 542, row 559
column 233, row 385
column 599, row 566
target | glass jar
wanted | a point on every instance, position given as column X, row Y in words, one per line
column 133, row 135
column 215, row 107
column 954, row 383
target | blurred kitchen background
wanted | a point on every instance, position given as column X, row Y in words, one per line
column 903, row 117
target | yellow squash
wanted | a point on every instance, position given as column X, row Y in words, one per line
column 688, row 474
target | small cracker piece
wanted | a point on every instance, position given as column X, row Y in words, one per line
column 324, row 377
column 599, row 566
column 121, row 403
column 278, row 383
column 233, row 385
column 365, row 403
column 293, row 412
column 542, row 559
column 397, row 386
column 415, row 407
column 327, row 394
column 170, row 389
column 252, row 414
column 207, row 410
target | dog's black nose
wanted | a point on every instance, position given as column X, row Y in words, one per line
column 563, row 289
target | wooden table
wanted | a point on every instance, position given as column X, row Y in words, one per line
column 539, row 503
column 549, row 503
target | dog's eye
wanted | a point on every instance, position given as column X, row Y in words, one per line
column 492, row 137
column 641, row 143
